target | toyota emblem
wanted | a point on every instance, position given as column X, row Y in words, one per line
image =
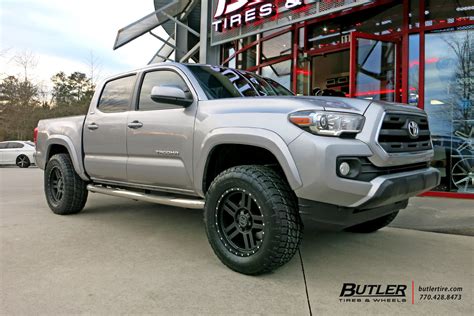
column 413, row 129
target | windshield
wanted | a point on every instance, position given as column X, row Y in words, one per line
column 218, row 82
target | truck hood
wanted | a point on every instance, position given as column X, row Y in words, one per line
column 339, row 104
column 286, row 104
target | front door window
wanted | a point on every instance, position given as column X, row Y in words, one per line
column 374, row 73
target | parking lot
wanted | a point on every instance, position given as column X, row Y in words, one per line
column 123, row 256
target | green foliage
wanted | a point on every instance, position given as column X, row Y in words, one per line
column 18, row 93
column 71, row 90
column 21, row 107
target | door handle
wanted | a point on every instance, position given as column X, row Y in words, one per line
column 92, row 126
column 135, row 124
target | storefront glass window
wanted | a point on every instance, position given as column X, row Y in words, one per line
column 442, row 12
column 414, row 14
column 413, row 69
column 331, row 72
column 449, row 97
column 227, row 51
column 247, row 58
column 280, row 72
column 375, row 78
column 380, row 21
column 276, row 47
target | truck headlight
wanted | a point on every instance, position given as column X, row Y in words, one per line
column 328, row 123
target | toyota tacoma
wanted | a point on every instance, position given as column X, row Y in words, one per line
column 258, row 159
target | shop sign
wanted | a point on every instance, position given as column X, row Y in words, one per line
column 233, row 19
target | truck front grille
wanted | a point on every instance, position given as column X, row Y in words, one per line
column 395, row 136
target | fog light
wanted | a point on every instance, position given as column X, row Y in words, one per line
column 344, row 169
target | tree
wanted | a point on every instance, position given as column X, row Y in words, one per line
column 462, row 84
column 26, row 60
column 19, row 98
column 75, row 89
column 16, row 93
column 95, row 67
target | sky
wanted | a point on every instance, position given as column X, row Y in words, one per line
column 63, row 34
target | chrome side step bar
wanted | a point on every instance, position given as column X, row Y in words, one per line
column 194, row 203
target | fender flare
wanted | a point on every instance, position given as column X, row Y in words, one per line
column 71, row 149
column 257, row 137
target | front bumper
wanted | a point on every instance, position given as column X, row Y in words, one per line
column 397, row 187
column 334, row 217
column 389, row 194
column 316, row 156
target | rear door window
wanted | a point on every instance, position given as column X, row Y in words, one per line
column 15, row 145
column 117, row 94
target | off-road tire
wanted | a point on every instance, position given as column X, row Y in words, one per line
column 282, row 227
column 373, row 225
column 23, row 161
column 74, row 191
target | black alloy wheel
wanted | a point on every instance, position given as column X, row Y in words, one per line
column 57, row 185
column 66, row 193
column 240, row 222
column 252, row 220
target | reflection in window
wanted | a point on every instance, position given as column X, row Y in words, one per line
column 220, row 83
column 165, row 78
column 375, row 70
column 116, row 95
column 280, row 72
column 276, row 47
column 449, row 95
column 413, row 69
column 247, row 58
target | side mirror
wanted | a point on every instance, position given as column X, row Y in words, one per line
column 170, row 95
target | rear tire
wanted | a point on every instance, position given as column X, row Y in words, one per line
column 65, row 191
column 252, row 220
column 373, row 225
column 23, row 161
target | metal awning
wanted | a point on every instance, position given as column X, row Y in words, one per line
column 151, row 21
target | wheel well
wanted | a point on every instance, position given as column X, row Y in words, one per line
column 225, row 156
column 56, row 149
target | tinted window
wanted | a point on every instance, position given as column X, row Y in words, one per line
column 117, row 94
column 281, row 90
column 218, row 82
column 165, row 78
column 15, row 145
column 3, row 145
column 266, row 86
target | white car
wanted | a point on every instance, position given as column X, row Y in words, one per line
column 17, row 152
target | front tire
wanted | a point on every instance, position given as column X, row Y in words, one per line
column 251, row 218
column 373, row 225
column 65, row 191
column 23, row 161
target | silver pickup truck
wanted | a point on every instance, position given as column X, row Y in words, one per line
column 258, row 159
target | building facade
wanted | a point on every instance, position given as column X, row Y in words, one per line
column 415, row 52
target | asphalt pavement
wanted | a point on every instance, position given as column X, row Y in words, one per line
column 125, row 257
